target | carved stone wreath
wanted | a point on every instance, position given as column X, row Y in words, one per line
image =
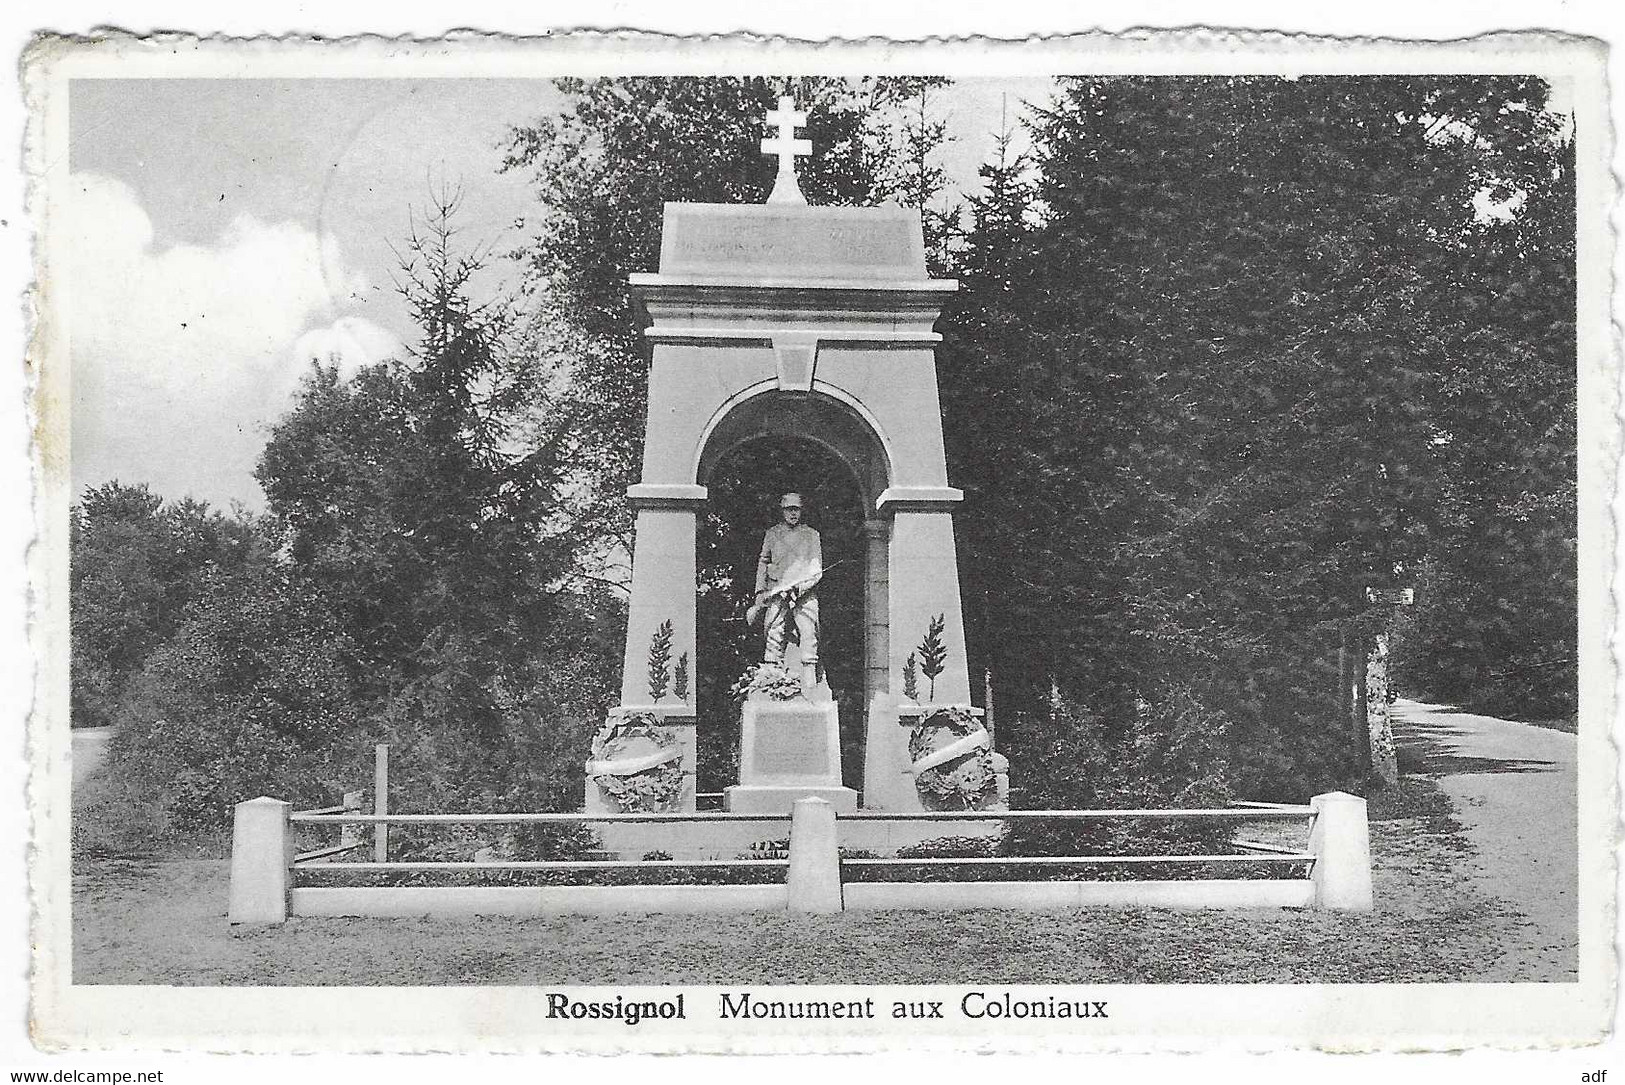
column 952, row 756
column 637, row 764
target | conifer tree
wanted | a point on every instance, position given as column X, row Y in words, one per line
column 1208, row 393
column 425, row 491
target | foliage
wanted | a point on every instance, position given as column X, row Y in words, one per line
column 135, row 562
column 247, row 699
column 1176, row 753
column 1486, row 632
column 425, row 494
column 113, row 820
column 660, row 660
column 1212, row 374
column 444, row 762
column 951, row 847
column 916, row 177
column 1494, row 624
column 911, row 677
column 472, row 843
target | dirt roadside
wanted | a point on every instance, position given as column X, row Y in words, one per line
column 1514, row 789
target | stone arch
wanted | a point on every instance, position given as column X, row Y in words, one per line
column 825, row 415
column 828, row 417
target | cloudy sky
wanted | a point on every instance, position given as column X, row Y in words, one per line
column 226, row 232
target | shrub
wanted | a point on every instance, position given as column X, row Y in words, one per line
column 248, row 699
column 115, row 822
column 951, row 847
column 1172, row 753
column 257, row 695
column 461, row 843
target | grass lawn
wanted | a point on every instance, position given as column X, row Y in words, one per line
column 163, row 922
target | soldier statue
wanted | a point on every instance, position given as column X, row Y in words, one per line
column 787, row 576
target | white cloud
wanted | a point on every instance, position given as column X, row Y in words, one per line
column 184, row 355
column 349, row 343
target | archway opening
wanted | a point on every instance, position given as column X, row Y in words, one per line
column 745, row 479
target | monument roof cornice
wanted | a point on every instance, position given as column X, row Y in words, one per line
column 756, row 292
column 687, row 307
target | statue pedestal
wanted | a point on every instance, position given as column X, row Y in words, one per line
column 789, row 750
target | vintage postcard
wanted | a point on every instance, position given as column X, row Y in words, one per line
column 619, row 543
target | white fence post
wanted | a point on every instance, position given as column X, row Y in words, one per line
column 815, row 861
column 1341, row 843
column 261, row 861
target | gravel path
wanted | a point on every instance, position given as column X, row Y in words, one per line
column 1513, row 787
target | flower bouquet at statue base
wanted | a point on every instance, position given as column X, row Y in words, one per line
column 767, row 682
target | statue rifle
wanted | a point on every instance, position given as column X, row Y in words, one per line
column 756, row 609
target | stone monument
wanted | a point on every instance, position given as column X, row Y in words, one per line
column 816, row 322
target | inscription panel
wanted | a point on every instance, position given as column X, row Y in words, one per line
column 739, row 240
column 794, row 743
column 790, row 743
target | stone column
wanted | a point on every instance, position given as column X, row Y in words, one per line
column 876, row 642
column 663, row 589
column 923, row 583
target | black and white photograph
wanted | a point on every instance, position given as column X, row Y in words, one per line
column 676, row 548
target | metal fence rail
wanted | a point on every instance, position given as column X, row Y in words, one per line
column 1273, row 813
column 553, row 864
column 1103, row 860
column 314, row 818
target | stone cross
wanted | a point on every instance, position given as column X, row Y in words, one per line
column 787, row 118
